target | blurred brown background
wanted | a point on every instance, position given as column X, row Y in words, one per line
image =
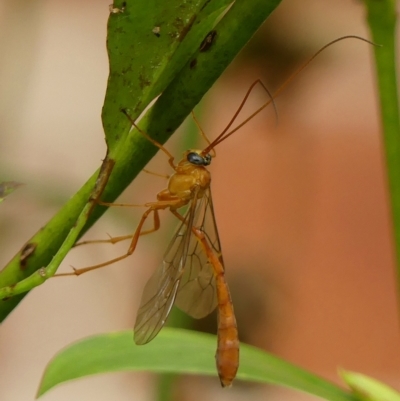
column 301, row 206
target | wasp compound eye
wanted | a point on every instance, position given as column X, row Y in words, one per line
column 196, row 159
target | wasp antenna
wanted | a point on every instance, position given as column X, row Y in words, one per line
column 203, row 134
column 297, row 72
column 222, row 136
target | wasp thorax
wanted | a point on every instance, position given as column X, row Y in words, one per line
column 198, row 160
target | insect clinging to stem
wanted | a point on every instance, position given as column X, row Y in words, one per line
column 192, row 273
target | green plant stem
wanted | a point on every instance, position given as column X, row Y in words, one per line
column 382, row 23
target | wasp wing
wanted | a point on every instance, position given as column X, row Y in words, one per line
column 197, row 294
column 160, row 291
column 185, row 275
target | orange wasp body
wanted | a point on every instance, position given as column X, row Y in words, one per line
column 192, row 274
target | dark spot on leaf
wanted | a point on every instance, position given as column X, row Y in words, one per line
column 208, row 41
column 26, row 252
column 193, row 63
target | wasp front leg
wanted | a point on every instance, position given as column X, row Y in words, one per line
column 154, row 208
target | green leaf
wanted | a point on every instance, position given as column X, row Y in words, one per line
column 177, row 351
column 148, row 43
column 382, row 17
column 368, row 389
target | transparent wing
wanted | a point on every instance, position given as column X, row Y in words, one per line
column 185, row 274
column 160, row 291
column 197, row 289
